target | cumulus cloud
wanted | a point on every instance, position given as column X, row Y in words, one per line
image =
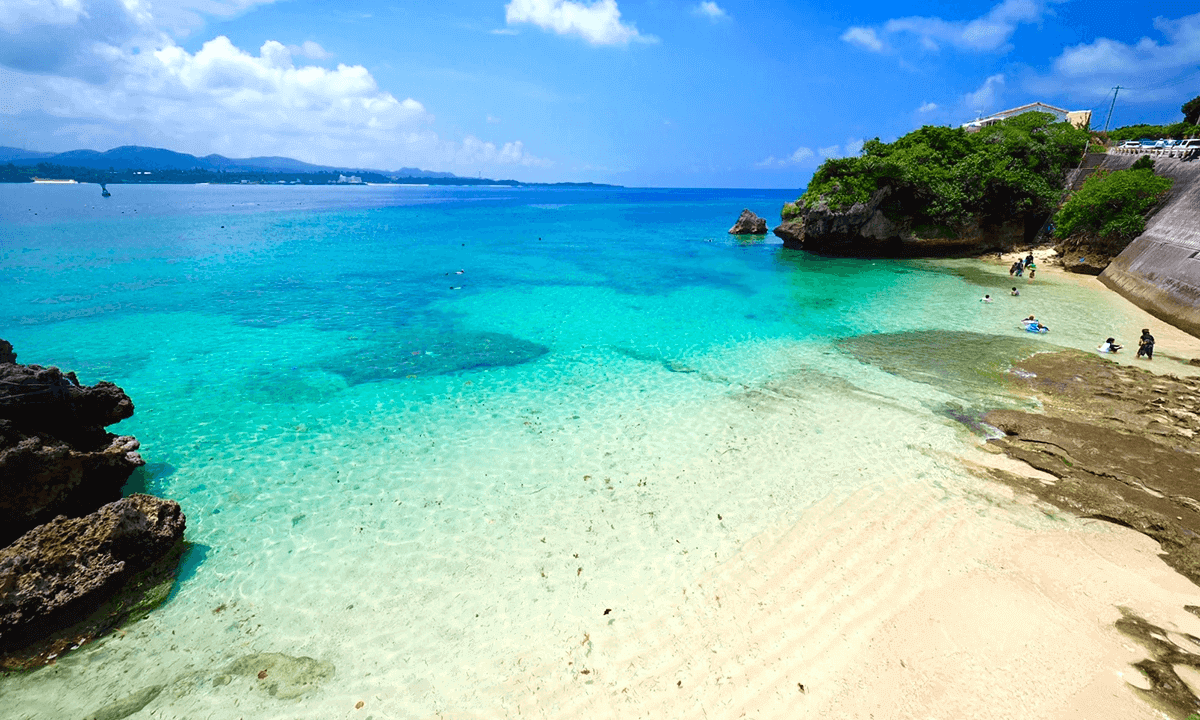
column 310, row 50
column 1090, row 70
column 927, row 107
column 852, row 147
column 990, row 32
column 108, row 75
column 984, row 99
column 802, row 156
column 710, row 10
column 598, row 23
column 477, row 152
column 864, row 37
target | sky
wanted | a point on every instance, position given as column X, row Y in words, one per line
column 667, row 93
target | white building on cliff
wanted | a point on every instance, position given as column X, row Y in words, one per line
column 1079, row 118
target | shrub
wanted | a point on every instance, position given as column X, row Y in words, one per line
column 1145, row 162
column 1111, row 205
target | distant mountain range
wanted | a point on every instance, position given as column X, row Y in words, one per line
column 136, row 157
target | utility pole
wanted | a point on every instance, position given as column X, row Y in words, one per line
column 1116, row 90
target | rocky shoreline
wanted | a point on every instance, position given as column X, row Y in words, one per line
column 1119, row 441
column 76, row 558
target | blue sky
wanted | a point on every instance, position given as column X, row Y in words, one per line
column 672, row 93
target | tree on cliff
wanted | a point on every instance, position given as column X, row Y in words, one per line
column 1112, row 206
column 1191, row 111
column 944, row 176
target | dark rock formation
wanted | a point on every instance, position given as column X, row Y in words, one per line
column 55, row 456
column 6, row 352
column 749, row 224
column 60, row 572
column 867, row 230
column 1121, row 442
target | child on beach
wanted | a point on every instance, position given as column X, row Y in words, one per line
column 1032, row 269
column 1015, row 292
column 1109, row 346
column 985, row 298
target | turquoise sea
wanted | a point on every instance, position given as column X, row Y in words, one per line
column 429, row 438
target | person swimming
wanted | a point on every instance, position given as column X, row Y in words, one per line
column 1109, row 346
column 985, row 298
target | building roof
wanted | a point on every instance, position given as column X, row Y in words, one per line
column 1028, row 108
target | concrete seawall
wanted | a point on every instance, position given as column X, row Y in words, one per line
column 1160, row 270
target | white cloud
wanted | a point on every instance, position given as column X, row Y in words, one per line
column 710, row 10
column 852, row 147
column 927, row 107
column 598, row 23
column 990, row 32
column 310, row 50
column 107, row 75
column 984, row 99
column 864, row 37
column 802, row 156
column 1091, row 70
column 474, row 151
column 504, row 31
column 16, row 16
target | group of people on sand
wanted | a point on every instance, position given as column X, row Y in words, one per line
column 1020, row 266
column 1145, row 345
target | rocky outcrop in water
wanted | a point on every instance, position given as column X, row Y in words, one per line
column 55, row 456
column 62, row 571
column 73, row 552
column 749, row 224
column 873, row 229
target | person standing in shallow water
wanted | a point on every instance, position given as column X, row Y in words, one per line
column 1146, row 344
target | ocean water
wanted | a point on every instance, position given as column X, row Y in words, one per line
column 427, row 438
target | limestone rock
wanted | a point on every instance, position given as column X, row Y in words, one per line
column 44, row 398
column 42, row 477
column 57, row 573
column 870, row 230
column 749, row 224
column 55, row 456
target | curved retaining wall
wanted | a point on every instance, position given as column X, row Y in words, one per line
column 1160, row 270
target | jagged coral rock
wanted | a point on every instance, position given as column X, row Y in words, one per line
column 57, row 573
column 55, row 456
column 749, row 224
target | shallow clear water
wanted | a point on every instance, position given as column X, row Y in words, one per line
column 424, row 434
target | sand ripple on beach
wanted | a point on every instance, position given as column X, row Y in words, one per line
column 908, row 601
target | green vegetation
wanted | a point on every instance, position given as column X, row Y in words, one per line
column 1112, row 205
column 1191, row 111
column 1153, row 132
column 943, row 176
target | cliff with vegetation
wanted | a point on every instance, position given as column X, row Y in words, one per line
column 937, row 191
column 1159, row 270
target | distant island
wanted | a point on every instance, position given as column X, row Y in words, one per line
column 136, row 164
